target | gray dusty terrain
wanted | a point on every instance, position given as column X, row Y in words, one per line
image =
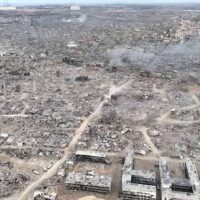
column 105, row 79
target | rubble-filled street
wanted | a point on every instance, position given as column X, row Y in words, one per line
column 101, row 79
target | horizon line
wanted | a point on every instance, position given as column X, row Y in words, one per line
column 84, row 4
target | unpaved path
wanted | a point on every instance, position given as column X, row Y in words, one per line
column 166, row 116
column 149, row 142
column 90, row 198
column 195, row 98
column 26, row 105
column 15, row 115
column 180, row 122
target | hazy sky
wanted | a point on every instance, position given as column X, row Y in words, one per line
column 96, row 1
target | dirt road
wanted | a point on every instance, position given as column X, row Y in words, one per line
column 165, row 118
column 149, row 142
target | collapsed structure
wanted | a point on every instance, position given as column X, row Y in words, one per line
column 180, row 189
column 89, row 181
column 136, row 184
column 39, row 195
column 92, row 156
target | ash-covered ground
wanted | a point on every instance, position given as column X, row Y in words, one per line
column 102, row 78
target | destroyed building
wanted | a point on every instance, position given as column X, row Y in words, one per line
column 179, row 189
column 136, row 184
column 82, row 78
column 89, row 182
column 108, row 115
column 92, row 156
column 39, row 195
column 10, row 183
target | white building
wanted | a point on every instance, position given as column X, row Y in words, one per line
column 75, row 8
column 7, row 8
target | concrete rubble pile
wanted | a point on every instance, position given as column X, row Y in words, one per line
column 10, row 183
column 39, row 195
